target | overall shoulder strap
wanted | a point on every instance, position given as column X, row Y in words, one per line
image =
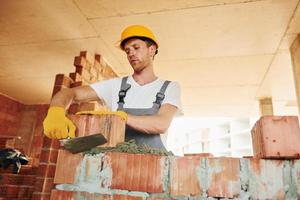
column 122, row 93
column 160, row 96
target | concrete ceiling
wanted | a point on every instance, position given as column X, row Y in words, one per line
column 226, row 54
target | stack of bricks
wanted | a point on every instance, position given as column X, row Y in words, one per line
column 87, row 70
column 116, row 175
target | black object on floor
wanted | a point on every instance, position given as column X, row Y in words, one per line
column 13, row 157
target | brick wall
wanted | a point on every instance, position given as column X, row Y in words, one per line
column 10, row 115
column 144, row 176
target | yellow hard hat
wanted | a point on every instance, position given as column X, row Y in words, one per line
column 136, row 31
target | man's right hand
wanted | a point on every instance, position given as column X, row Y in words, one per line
column 57, row 125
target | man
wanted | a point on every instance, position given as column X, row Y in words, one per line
column 148, row 104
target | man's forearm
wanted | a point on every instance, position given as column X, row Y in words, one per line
column 63, row 98
column 154, row 124
column 148, row 124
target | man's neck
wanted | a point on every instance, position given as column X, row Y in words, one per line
column 145, row 76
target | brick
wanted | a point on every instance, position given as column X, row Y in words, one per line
column 36, row 148
column 112, row 127
column 266, row 179
column 224, row 176
column 276, row 137
column 89, row 106
column 86, row 55
column 295, row 174
column 16, row 191
column 61, row 195
column 63, row 80
column 75, row 77
column 77, row 84
column 25, row 170
column 40, row 196
column 46, row 170
column 80, row 121
column 50, row 143
column 80, row 62
column 17, row 179
column 67, row 166
column 73, row 109
column 44, row 185
column 183, row 176
column 49, row 155
column 137, row 172
column 86, row 75
column 56, row 89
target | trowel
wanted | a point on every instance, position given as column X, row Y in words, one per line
column 81, row 144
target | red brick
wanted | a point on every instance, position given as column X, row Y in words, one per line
column 276, row 137
column 63, row 80
column 112, row 127
column 46, row 170
column 25, row 170
column 56, row 89
column 183, row 176
column 17, row 179
column 36, row 147
column 73, row 109
column 80, row 122
column 49, row 155
column 51, row 143
column 76, row 84
column 89, row 106
column 67, row 164
column 16, row 191
column 44, row 185
column 224, row 176
column 75, row 76
column 61, row 195
column 137, row 172
column 81, row 62
column 40, row 196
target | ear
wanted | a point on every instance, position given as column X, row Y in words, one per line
column 152, row 49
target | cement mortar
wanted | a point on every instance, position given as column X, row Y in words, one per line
column 130, row 147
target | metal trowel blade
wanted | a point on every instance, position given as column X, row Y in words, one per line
column 81, row 144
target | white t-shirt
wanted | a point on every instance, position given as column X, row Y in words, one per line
column 137, row 96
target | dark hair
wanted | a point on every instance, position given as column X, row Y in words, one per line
column 148, row 41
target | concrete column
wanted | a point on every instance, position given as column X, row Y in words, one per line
column 295, row 55
column 266, row 106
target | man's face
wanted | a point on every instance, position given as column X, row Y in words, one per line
column 138, row 54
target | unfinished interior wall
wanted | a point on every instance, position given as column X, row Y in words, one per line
column 88, row 69
column 21, row 128
column 10, row 118
column 295, row 55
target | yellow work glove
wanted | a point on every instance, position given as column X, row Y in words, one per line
column 57, row 125
column 121, row 114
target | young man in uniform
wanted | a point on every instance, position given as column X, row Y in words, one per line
column 147, row 103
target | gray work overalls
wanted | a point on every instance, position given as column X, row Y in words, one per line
column 152, row 140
